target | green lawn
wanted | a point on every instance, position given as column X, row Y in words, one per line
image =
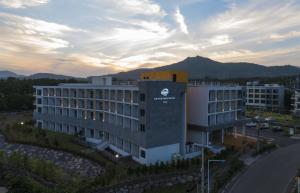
column 280, row 118
column 27, row 134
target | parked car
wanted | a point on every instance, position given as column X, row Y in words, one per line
column 269, row 119
column 264, row 126
column 277, row 129
column 250, row 124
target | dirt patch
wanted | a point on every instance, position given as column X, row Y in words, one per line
column 239, row 143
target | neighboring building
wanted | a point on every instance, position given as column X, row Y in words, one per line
column 269, row 97
column 212, row 109
column 146, row 120
column 296, row 98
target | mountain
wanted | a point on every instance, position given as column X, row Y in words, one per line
column 49, row 76
column 7, row 74
column 200, row 67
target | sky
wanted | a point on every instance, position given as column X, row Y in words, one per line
column 96, row 37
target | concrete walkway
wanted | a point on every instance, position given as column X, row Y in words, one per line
column 3, row 190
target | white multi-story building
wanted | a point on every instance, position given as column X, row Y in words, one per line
column 268, row 97
column 131, row 120
column 296, row 98
column 296, row 103
column 212, row 109
column 156, row 119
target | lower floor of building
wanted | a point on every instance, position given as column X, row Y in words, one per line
column 195, row 141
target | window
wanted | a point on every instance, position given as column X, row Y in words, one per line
column 92, row 133
column 142, row 127
column 174, row 78
column 91, row 94
column 39, row 92
column 39, row 125
column 143, row 153
column 212, row 95
column 142, row 97
column 142, row 112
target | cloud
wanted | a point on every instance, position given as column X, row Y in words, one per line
column 25, row 34
column 129, row 7
column 284, row 36
column 121, row 35
column 181, row 21
column 256, row 28
column 22, row 3
column 220, row 40
column 263, row 56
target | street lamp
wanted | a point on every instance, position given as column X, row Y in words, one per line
column 22, row 123
column 208, row 183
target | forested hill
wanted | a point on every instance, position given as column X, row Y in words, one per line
column 17, row 95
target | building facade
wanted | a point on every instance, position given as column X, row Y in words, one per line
column 212, row 109
column 269, row 97
column 157, row 119
column 296, row 98
column 144, row 120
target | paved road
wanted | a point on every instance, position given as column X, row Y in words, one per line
column 3, row 190
column 270, row 174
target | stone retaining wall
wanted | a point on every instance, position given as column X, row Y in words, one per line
column 145, row 184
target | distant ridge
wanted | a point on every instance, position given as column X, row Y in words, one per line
column 6, row 74
column 200, row 67
column 9, row 74
column 197, row 68
column 50, row 76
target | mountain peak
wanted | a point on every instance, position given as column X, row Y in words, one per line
column 199, row 67
column 197, row 58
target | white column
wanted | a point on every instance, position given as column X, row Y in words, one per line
column 234, row 128
column 244, row 130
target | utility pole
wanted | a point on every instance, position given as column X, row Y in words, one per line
column 298, row 181
column 202, row 165
column 258, row 129
column 257, row 142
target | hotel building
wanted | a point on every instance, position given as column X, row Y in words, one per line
column 214, row 108
column 268, row 97
column 158, row 118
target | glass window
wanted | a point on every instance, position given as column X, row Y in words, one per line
column 142, row 112
column 142, row 127
column 142, row 97
column 143, row 154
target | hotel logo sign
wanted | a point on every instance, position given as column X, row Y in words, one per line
column 164, row 92
column 165, row 98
